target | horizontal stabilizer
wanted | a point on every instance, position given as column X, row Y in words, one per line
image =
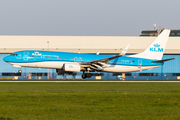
column 160, row 61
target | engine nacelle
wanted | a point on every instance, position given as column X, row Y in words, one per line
column 71, row 67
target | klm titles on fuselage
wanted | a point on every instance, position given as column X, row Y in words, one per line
column 156, row 48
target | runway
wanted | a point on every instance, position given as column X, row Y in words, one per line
column 90, row 81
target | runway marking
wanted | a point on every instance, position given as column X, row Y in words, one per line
column 90, row 81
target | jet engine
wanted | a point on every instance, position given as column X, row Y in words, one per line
column 71, row 67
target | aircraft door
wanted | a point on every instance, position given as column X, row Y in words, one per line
column 139, row 63
column 77, row 59
column 25, row 56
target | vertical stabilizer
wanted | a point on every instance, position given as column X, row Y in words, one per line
column 156, row 49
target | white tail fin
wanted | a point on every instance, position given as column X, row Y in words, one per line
column 156, row 49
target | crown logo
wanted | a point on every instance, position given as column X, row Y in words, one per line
column 156, row 45
column 70, row 66
column 36, row 53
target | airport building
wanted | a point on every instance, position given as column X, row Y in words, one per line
column 92, row 45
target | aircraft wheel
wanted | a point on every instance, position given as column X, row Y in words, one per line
column 88, row 75
column 84, row 76
column 19, row 71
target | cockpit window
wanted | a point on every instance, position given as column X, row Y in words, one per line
column 14, row 54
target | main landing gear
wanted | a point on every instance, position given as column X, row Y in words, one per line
column 19, row 71
column 86, row 75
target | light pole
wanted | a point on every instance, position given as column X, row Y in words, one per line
column 48, row 45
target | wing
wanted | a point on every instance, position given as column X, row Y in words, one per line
column 98, row 64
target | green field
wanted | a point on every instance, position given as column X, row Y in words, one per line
column 99, row 101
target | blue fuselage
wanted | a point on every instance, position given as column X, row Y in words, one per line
column 44, row 56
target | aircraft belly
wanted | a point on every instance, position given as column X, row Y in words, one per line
column 53, row 64
column 121, row 68
column 110, row 68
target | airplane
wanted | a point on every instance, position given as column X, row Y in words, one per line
column 67, row 62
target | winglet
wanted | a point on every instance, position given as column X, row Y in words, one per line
column 97, row 53
column 125, row 50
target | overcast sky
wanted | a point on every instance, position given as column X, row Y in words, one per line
column 86, row 17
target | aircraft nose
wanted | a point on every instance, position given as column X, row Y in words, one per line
column 7, row 59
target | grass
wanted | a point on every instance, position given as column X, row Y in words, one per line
column 10, row 79
column 71, row 101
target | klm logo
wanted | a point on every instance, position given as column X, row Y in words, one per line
column 70, row 66
column 156, row 48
